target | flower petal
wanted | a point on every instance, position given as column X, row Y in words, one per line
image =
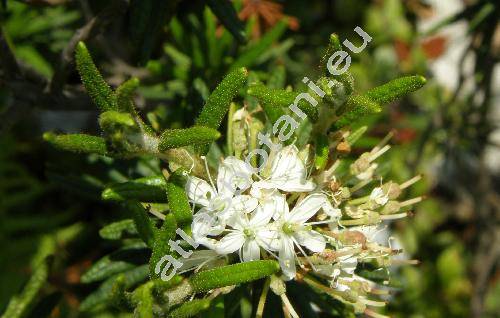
column 314, row 241
column 261, row 217
column 306, row 208
column 234, row 175
column 240, row 204
column 268, row 238
column 205, row 224
column 288, row 172
column 230, row 243
column 199, row 191
column 250, row 251
column 287, row 257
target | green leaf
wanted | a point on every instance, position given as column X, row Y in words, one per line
column 272, row 99
column 111, row 120
column 190, row 308
column 143, row 299
column 334, row 45
column 225, row 12
column 104, row 293
column 354, row 136
column 322, row 151
column 160, row 245
column 175, row 138
column 147, row 18
column 177, row 198
column 100, row 92
column 233, row 275
column 250, row 56
column 79, row 143
column 395, row 89
column 143, row 223
column 147, row 189
column 218, row 102
column 20, row 305
column 124, row 95
column 117, row 262
column 115, row 230
column 356, row 107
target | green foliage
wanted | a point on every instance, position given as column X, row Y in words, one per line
column 161, row 245
column 116, row 230
column 100, row 92
column 78, row 143
column 177, row 198
column 175, row 138
column 146, row 189
column 190, row 308
column 145, row 227
column 20, row 305
column 218, row 102
column 395, row 89
column 227, row 15
column 233, row 275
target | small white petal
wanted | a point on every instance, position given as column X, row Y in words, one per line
column 288, row 172
column 287, row 257
column 230, row 243
column 306, row 208
column 268, row 238
column 238, row 204
column 204, row 223
column 199, row 191
column 250, row 251
column 314, row 241
column 233, row 175
column 261, row 217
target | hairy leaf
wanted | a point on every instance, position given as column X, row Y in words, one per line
column 233, row 274
column 79, row 143
column 175, row 138
column 100, row 92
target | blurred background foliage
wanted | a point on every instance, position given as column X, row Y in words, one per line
column 50, row 201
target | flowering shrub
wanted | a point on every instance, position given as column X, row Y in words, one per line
column 304, row 212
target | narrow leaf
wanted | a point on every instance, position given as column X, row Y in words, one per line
column 233, row 274
column 279, row 98
column 250, row 56
column 116, row 230
column 395, row 89
column 147, row 189
column 322, row 151
column 160, row 245
column 20, row 305
column 356, row 107
column 177, row 198
column 225, row 12
column 218, row 102
column 104, row 292
column 175, row 138
column 117, row 262
column 124, row 95
column 79, row 143
column 94, row 83
column 143, row 223
column 190, row 309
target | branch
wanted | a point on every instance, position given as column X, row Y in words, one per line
column 92, row 27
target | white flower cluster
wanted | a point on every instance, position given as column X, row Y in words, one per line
column 302, row 220
column 260, row 220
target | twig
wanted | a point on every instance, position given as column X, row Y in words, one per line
column 93, row 26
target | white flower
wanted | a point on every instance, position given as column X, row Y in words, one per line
column 288, row 173
column 220, row 203
column 291, row 229
column 246, row 235
column 378, row 196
